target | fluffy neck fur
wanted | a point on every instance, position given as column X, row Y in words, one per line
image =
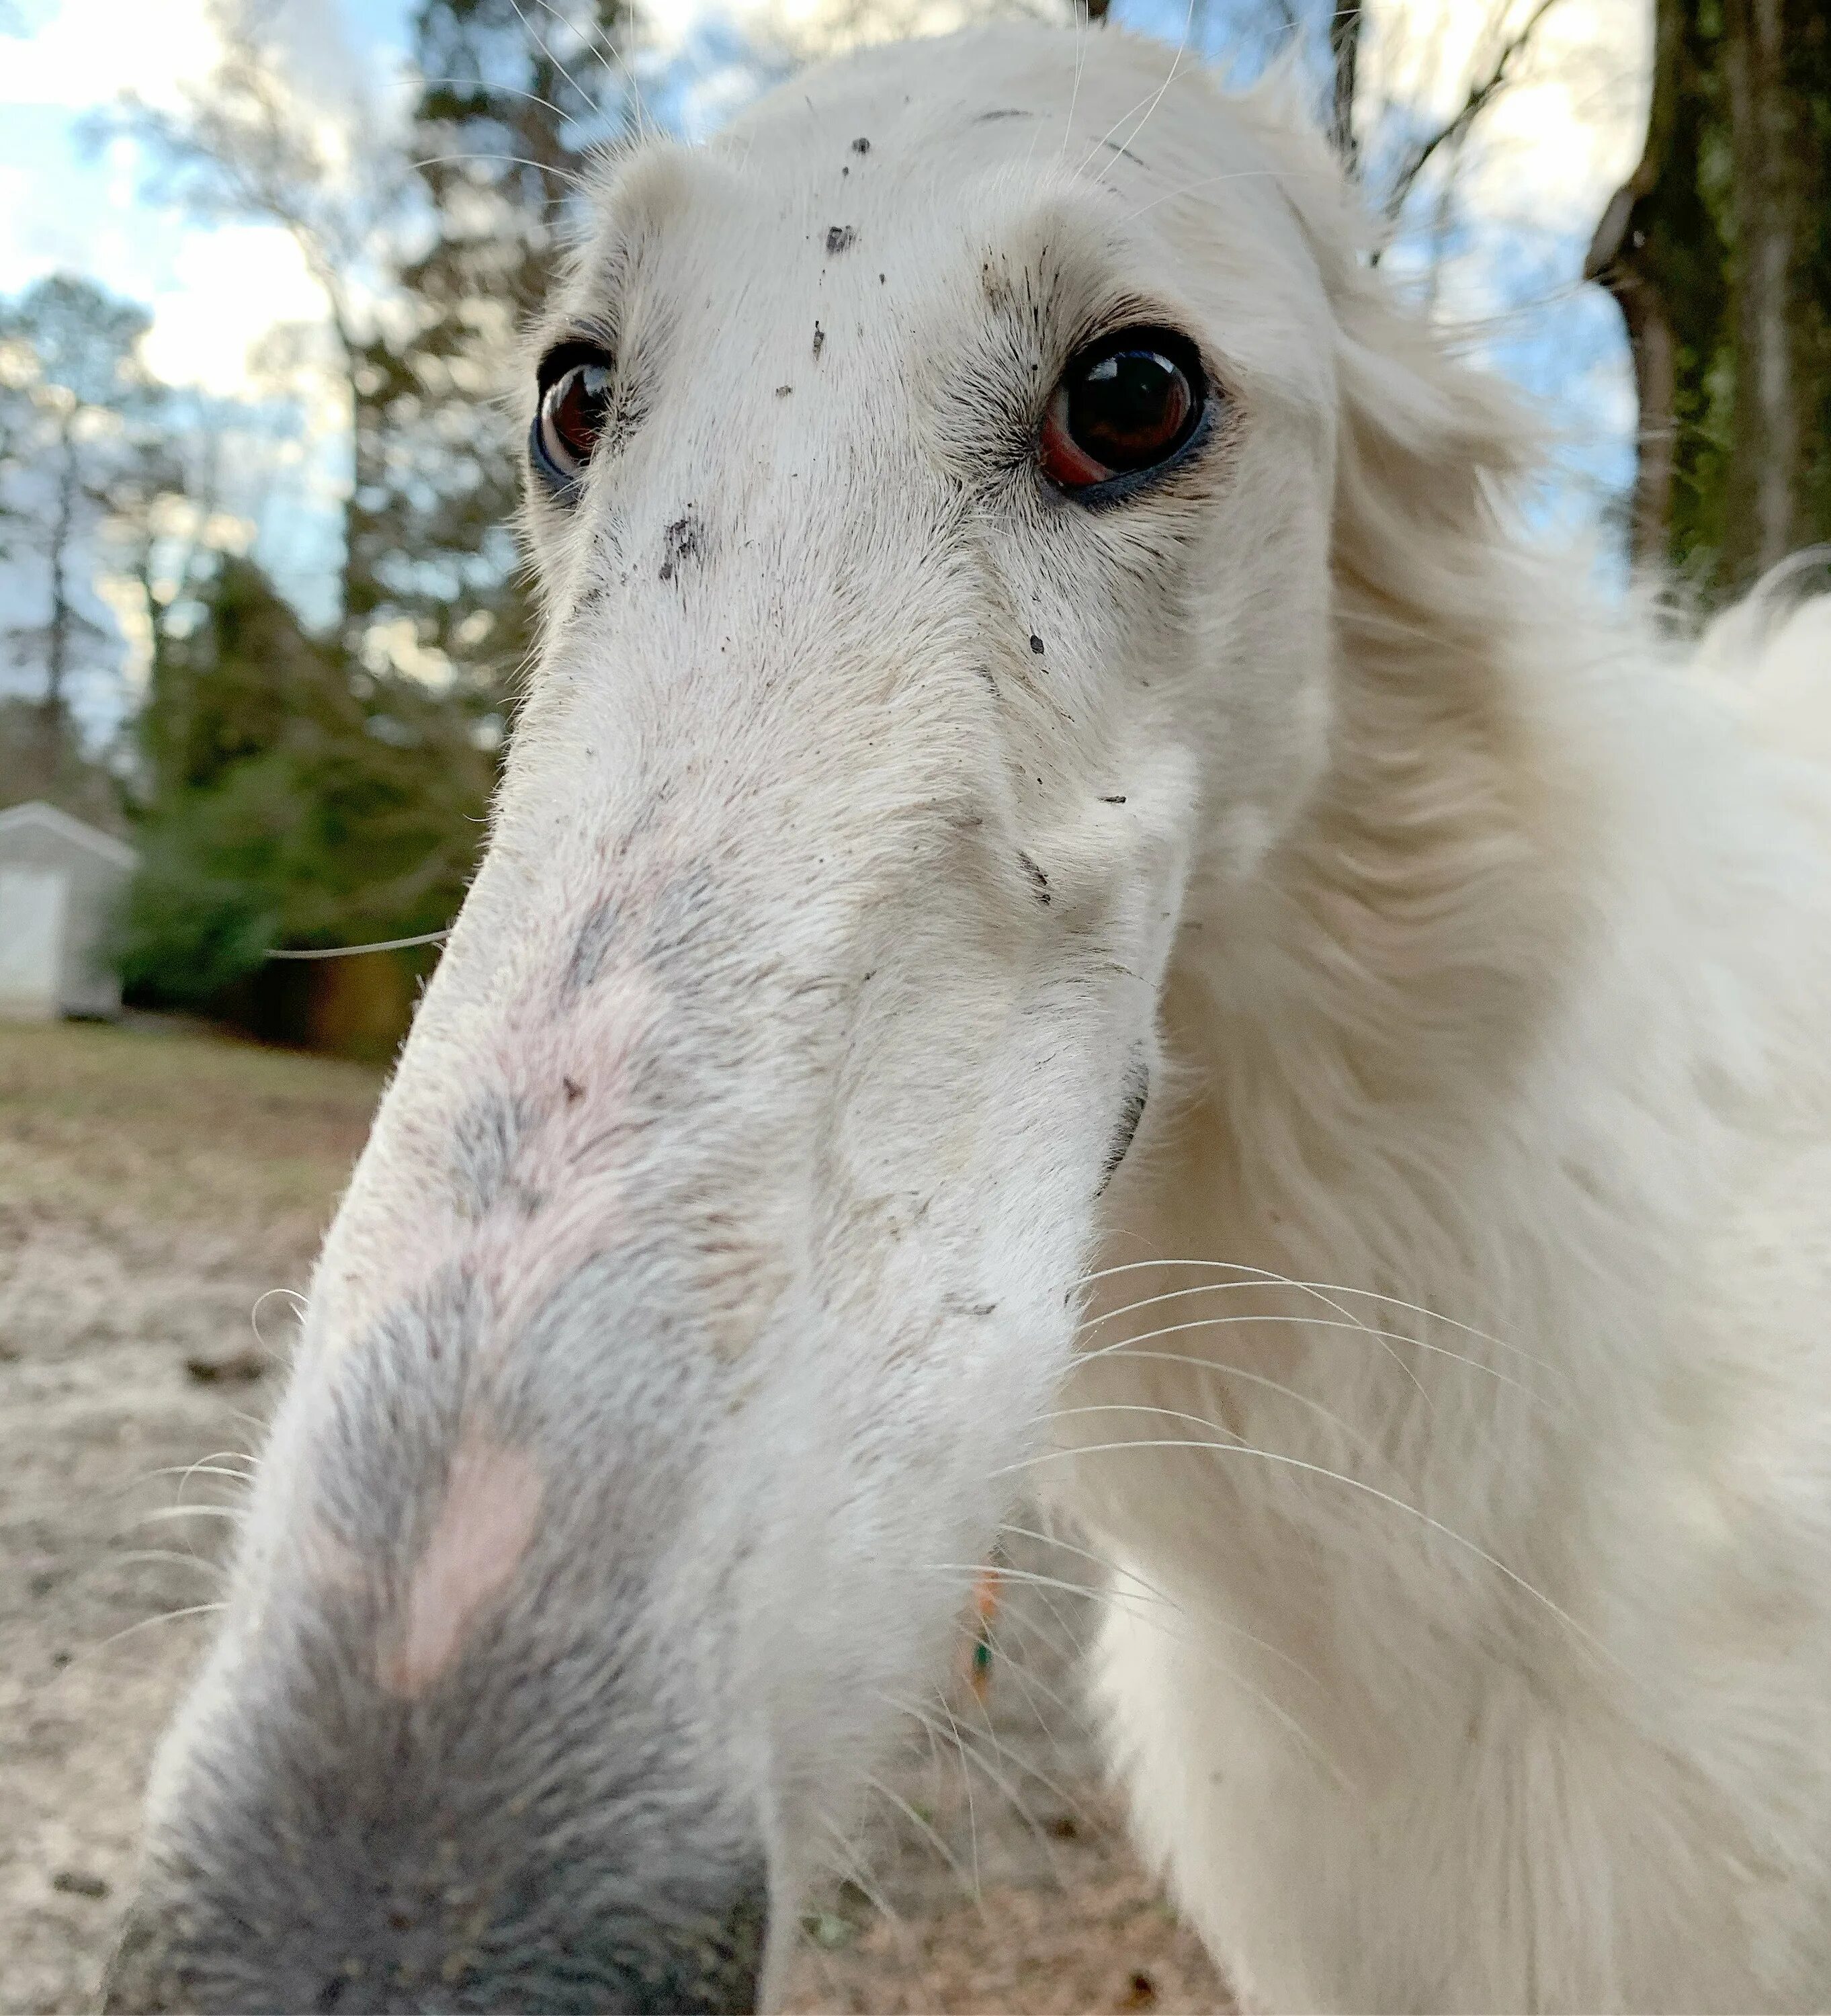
column 1425, row 1626
column 1445, row 1053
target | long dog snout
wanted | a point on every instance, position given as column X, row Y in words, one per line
column 712, row 1264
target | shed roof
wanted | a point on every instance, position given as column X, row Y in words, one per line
column 47, row 819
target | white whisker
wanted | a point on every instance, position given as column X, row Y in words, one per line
column 601, row 44
column 209, row 1466
column 969, row 1753
column 1084, row 35
column 1267, row 1277
column 164, row 1512
column 520, row 160
column 143, row 1624
column 1336, row 1476
column 1350, row 1320
column 925, row 1829
column 856, row 1873
column 1124, row 1349
column 135, row 1555
column 482, row 84
column 1122, row 1346
column 1006, row 1642
column 535, row 37
column 1150, row 106
column 1181, row 1610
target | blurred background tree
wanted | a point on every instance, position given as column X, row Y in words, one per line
column 288, row 802
column 80, row 439
column 432, row 234
column 509, row 105
column 296, row 791
column 1718, row 249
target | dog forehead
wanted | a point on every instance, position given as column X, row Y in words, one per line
column 1109, row 116
column 859, row 226
column 952, row 106
column 932, row 145
column 1109, row 158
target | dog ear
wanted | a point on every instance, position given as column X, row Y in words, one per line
column 1427, row 438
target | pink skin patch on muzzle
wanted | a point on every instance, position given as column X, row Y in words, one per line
column 487, row 1520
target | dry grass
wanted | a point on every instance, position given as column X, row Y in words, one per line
column 152, row 1185
column 135, row 1127
column 155, row 1181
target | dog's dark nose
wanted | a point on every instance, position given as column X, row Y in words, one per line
column 188, row 1953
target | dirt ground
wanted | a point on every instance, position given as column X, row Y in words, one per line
column 155, row 1184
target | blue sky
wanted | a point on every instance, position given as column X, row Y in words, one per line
column 67, row 203
column 73, row 202
column 73, row 199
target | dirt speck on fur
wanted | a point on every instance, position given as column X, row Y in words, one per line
column 156, row 1181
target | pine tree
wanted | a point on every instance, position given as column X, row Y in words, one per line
column 513, row 100
column 290, row 804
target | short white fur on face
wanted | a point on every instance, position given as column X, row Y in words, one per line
column 1248, row 1002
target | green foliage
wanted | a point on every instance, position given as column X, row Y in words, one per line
column 294, row 800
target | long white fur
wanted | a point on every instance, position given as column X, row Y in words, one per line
column 1522, row 1022
column 1454, row 1357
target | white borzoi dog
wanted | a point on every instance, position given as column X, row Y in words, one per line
column 1069, row 904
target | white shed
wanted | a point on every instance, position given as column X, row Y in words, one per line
column 59, row 882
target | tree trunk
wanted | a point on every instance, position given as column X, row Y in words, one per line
column 1626, row 255
column 1718, row 249
column 358, row 592
column 1344, row 51
column 58, row 631
column 1764, row 521
column 1807, row 43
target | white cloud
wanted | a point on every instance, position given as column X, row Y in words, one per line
column 225, row 289
column 1565, row 134
column 806, row 28
column 88, row 54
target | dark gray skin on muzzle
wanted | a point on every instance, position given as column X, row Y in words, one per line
column 415, row 1938
column 404, row 1874
column 477, row 1846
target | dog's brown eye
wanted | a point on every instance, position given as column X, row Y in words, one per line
column 1123, row 407
column 571, row 417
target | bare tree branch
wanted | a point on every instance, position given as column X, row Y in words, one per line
column 1482, row 92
